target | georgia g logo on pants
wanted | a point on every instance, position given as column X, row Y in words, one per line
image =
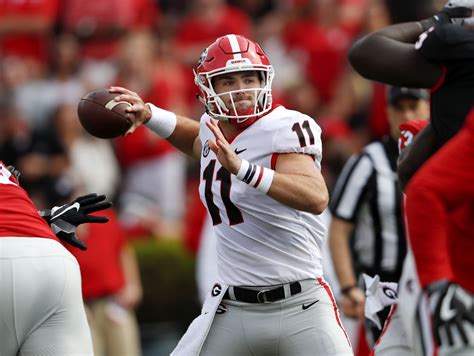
column 216, row 290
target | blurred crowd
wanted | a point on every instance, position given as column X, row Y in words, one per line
column 52, row 52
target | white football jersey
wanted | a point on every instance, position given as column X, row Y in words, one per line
column 259, row 240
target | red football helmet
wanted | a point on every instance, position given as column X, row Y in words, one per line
column 408, row 131
column 229, row 54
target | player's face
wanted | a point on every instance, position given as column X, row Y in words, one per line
column 406, row 109
column 237, row 88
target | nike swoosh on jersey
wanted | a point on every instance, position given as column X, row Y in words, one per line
column 447, row 313
column 306, row 306
column 239, row 151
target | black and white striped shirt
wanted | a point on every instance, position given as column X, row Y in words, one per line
column 367, row 194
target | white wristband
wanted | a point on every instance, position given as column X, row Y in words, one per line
column 243, row 169
column 260, row 178
column 162, row 122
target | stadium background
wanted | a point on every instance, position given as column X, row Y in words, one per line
column 54, row 51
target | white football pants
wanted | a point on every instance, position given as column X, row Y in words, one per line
column 281, row 328
column 41, row 307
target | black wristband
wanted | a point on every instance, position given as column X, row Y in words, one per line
column 346, row 290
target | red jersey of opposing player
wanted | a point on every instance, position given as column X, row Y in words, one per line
column 442, row 236
column 18, row 215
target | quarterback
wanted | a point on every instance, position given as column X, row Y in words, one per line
column 262, row 186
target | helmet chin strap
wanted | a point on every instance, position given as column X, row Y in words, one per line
column 247, row 121
column 244, row 112
column 249, row 111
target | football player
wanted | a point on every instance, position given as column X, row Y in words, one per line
column 263, row 189
column 435, row 53
column 394, row 340
column 41, row 307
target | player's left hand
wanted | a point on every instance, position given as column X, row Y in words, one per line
column 452, row 314
column 223, row 151
column 65, row 219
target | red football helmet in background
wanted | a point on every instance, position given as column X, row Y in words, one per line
column 408, row 131
column 230, row 54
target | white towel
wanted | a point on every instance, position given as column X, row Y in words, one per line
column 379, row 295
column 193, row 340
column 410, row 293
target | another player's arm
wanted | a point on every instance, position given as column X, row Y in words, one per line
column 389, row 56
column 182, row 132
column 132, row 292
column 352, row 297
column 296, row 181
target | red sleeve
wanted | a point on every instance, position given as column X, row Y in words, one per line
column 439, row 213
column 427, row 230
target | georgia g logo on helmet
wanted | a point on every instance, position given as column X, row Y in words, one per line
column 202, row 58
column 230, row 54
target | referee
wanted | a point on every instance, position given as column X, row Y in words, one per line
column 367, row 233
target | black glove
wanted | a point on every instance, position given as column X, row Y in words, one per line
column 451, row 11
column 16, row 173
column 65, row 219
column 453, row 313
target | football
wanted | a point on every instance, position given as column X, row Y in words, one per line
column 102, row 116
